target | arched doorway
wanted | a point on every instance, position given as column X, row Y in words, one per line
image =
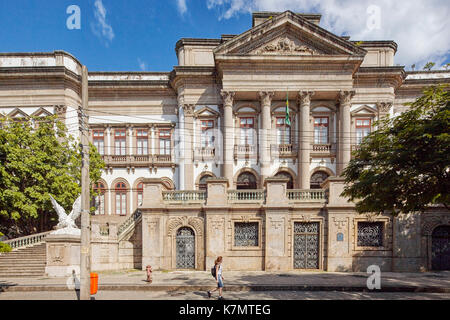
column 185, row 246
column 317, row 179
column 286, row 175
column 440, row 248
column 246, row 181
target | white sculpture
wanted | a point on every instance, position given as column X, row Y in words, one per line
column 66, row 223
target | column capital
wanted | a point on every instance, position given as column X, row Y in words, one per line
column 384, row 106
column 304, row 97
column 266, row 97
column 345, row 96
column 228, row 98
column 188, row 110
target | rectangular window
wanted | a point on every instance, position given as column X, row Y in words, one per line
column 164, row 142
column 142, row 142
column 120, row 142
column 321, row 130
column 121, row 203
column 247, row 125
column 362, row 129
column 370, row 234
column 99, row 141
column 283, row 132
column 207, row 138
column 100, row 204
column 246, row 234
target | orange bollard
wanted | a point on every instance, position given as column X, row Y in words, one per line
column 94, row 283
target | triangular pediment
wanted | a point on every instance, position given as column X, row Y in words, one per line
column 18, row 114
column 41, row 112
column 363, row 110
column 288, row 34
column 206, row 112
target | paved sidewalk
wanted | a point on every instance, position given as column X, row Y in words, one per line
column 188, row 281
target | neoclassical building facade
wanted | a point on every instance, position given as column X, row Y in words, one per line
column 207, row 160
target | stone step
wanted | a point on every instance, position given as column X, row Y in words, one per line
column 21, row 265
column 24, row 255
column 24, row 275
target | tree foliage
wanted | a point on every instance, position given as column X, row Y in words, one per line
column 404, row 165
column 34, row 163
column 3, row 246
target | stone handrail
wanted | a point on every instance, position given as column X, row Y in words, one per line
column 131, row 221
column 322, row 148
column 246, row 195
column 184, row 196
column 317, row 195
column 27, row 241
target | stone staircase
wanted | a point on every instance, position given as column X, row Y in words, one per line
column 25, row 262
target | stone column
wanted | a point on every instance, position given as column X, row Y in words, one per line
column 228, row 136
column 305, row 138
column 188, row 110
column 345, row 98
column 264, row 144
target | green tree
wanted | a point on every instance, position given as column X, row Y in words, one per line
column 34, row 163
column 3, row 246
column 429, row 66
column 404, row 165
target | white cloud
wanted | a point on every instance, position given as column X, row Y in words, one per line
column 101, row 28
column 419, row 27
column 182, row 7
column 142, row 65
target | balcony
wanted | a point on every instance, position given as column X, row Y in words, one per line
column 246, row 196
column 138, row 161
column 306, row 195
column 245, row 151
column 321, row 150
column 283, row 150
column 202, row 154
column 184, row 197
column 162, row 159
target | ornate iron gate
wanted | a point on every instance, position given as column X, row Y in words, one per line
column 306, row 245
column 185, row 249
column 440, row 248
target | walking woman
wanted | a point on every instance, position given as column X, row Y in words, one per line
column 219, row 277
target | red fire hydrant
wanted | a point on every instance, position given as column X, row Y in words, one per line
column 149, row 274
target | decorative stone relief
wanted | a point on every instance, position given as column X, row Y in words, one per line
column 228, row 98
column 384, row 107
column 304, row 97
column 340, row 223
column 266, row 97
column 189, row 110
column 194, row 222
column 276, row 223
column 285, row 46
column 345, row 97
column 429, row 223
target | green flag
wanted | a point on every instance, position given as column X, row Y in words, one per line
column 288, row 119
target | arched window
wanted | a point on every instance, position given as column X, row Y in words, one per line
column 246, row 180
column 202, row 185
column 121, row 199
column 140, row 194
column 286, row 175
column 317, row 179
column 99, row 200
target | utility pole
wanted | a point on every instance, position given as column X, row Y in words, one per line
column 85, row 250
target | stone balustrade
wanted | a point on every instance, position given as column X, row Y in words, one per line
column 235, row 196
column 306, row 195
column 184, row 196
column 245, row 151
column 136, row 216
column 284, row 150
column 204, row 153
column 138, row 160
column 27, row 241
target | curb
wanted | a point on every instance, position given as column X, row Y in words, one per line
column 229, row 288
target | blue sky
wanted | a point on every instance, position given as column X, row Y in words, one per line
column 135, row 35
